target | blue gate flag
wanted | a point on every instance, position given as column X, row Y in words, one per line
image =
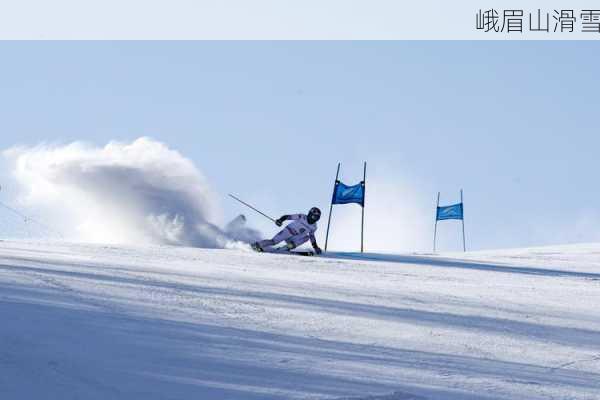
column 343, row 194
column 454, row 211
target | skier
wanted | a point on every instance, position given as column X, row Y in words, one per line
column 295, row 234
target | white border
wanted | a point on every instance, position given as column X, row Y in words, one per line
column 265, row 19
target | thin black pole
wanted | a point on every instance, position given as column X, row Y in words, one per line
column 27, row 219
column 337, row 175
column 436, row 221
column 249, row 206
column 362, row 224
column 463, row 220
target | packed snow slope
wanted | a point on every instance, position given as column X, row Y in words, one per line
column 95, row 322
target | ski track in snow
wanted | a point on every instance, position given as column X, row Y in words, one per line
column 85, row 321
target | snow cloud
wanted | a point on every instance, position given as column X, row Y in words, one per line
column 128, row 193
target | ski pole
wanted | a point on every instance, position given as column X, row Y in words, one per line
column 27, row 219
column 249, row 206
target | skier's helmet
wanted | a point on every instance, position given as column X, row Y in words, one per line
column 313, row 215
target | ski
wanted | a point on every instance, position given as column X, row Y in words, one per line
column 305, row 253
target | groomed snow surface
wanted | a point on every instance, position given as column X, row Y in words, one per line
column 95, row 322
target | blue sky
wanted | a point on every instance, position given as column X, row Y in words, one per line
column 512, row 123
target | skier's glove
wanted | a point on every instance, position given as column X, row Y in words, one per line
column 279, row 222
